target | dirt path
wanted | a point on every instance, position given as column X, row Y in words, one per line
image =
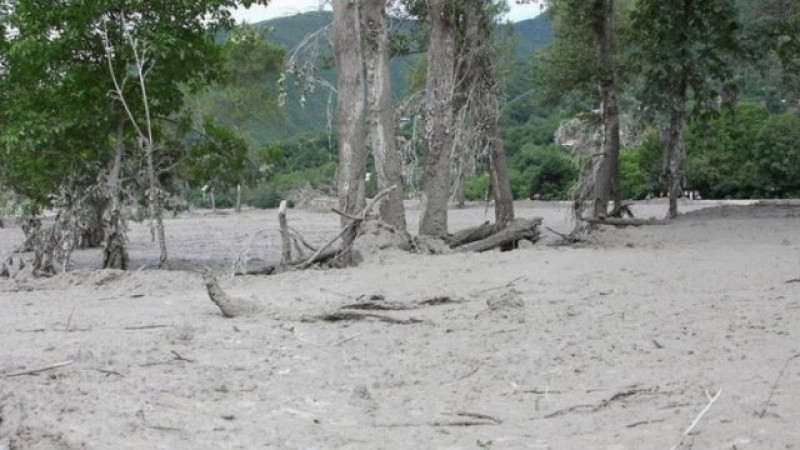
column 611, row 344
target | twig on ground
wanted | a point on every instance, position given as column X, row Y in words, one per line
column 179, row 357
column 69, row 319
column 347, row 339
column 39, row 370
column 110, row 372
column 143, row 327
column 711, row 400
column 566, row 239
column 775, row 385
column 502, row 286
column 603, row 404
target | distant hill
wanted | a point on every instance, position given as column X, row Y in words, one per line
column 313, row 118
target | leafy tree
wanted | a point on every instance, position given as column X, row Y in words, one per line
column 61, row 119
column 684, row 48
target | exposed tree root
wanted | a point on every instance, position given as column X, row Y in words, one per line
column 229, row 306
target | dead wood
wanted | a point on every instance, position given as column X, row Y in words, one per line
column 347, row 316
column 566, row 239
column 286, row 246
column 229, row 306
column 625, row 222
column 439, row 300
column 351, row 227
column 38, row 370
column 775, row 385
column 379, row 306
column 518, row 230
column 603, row 404
column 470, row 235
column 622, row 210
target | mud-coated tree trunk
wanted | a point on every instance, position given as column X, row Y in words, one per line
column 115, row 251
column 439, row 134
column 381, row 115
column 675, row 154
column 607, row 182
column 156, row 209
column 349, row 115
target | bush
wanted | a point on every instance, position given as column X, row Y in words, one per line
column 544, row 170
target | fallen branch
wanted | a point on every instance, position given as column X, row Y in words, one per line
column 711, row 400
column 229, row 306
column 775, row 385
column 470, row 235
column 353, row 224
column 625, row 222
column 518, row 230
column 603, row 404
column 342, row 316
column 39, row 370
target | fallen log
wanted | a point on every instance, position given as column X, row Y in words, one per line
column 625, row 222
column 470, row 235
column 518, row 230
column 228, row 306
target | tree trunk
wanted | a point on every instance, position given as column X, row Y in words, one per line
column 381, row 114
column 674, row 159
column 440, row 87
column 156, row 210
column 238, row 198
column 349, row 115
column 607, row 182
column 115, row 252
column 213, row 200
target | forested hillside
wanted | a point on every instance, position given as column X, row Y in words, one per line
column 311, row 117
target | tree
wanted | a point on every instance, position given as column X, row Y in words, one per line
column 381, row 117
column 439, row 93
column 583, row 57
column 61, row 121
column 684, row 48
column 349, row 116
column 482, row 91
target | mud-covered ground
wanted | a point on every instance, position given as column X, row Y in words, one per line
column 614, row 343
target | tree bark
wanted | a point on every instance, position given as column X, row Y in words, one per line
column 607, row 182
column 440, row 87
column 519, row 229
column 115, row 251
column 349, row 115
column 381, row 114
column 674, row 158
column 156, row 209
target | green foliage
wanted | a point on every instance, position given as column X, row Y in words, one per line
column 546, row 172
column 683, row 49
column 476, row 188
column 745, row 153
column 218, row 158
column 57, row 116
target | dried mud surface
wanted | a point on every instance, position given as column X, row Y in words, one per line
column 613, row 343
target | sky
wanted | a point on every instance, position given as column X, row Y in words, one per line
column 281, row 8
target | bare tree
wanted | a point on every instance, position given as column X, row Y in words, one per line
column 145, row 139
column 349, row 115
column 381, row 115
column 439, row 118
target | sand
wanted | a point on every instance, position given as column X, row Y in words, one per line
column 614, row 343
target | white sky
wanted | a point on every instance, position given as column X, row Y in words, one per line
column 280, row 8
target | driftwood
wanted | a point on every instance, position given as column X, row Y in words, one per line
column 625, row 222
column 355, row 222
column 518, row 230
column 286, row 247
column 229, row 306
column 470, row 235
